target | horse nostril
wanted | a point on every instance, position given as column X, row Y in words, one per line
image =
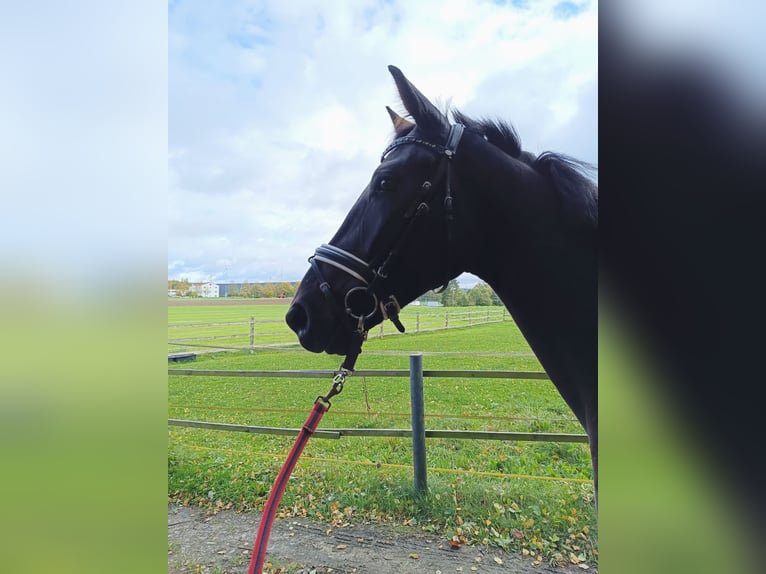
column 296, row 318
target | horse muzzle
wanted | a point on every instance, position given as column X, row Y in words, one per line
column 323, row 327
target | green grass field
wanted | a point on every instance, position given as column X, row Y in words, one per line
column 480, row 492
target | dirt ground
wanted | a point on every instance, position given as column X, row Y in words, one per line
column 221, row 544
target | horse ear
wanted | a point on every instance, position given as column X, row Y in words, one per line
column 427, row 116
column 400, row 124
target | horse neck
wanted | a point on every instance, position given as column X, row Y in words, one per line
column 543, row 271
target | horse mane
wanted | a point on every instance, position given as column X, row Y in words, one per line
column 569, row 176
column 499, row 133
column 579, row 193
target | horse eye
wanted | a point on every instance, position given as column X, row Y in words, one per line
column 385, row 184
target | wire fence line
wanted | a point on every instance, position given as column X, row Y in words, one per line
column 337, row 433
column 262, row 334
column 372, row 413
column 417, row 433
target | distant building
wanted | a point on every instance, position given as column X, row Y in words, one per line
column 204, row 289
column 229, row 289
column 172, row 293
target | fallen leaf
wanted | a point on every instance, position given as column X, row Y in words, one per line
column 517, row 534
column 498, row 560
column 454, row 543
column 583, row 566
column 414, row 556
column 573, row 559
column 529, row 523
column 341, row 547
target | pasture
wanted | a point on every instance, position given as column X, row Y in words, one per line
column 531, row 498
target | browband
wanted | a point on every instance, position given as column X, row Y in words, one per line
column 449, row 149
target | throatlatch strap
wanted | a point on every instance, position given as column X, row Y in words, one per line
column 270, row 510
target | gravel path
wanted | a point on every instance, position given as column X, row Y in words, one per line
column 222, row 543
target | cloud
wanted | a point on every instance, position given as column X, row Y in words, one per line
column 277, row 111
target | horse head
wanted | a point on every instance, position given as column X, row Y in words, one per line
column 395, row 242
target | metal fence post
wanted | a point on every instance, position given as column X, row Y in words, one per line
column 418, row 422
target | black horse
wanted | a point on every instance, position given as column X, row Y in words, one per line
column 448, row 198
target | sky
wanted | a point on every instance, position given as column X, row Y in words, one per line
column 276, row 110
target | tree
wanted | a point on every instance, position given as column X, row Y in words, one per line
column 181, row 286
column 249, row 290
column 268, row 290
column 453, row 295
column 284, row 289
column 480, row 294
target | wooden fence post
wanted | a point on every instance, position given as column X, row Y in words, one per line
column 418, row 423
column 252, row 335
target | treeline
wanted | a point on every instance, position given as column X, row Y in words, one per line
column 184, row 288
column 453, row 295
column 258, row 290
column 480, row 294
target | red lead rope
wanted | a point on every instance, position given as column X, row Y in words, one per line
column 270, row 510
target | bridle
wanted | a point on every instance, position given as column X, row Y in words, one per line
column 362, row 302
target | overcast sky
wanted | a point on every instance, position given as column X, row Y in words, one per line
column 277, row 110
